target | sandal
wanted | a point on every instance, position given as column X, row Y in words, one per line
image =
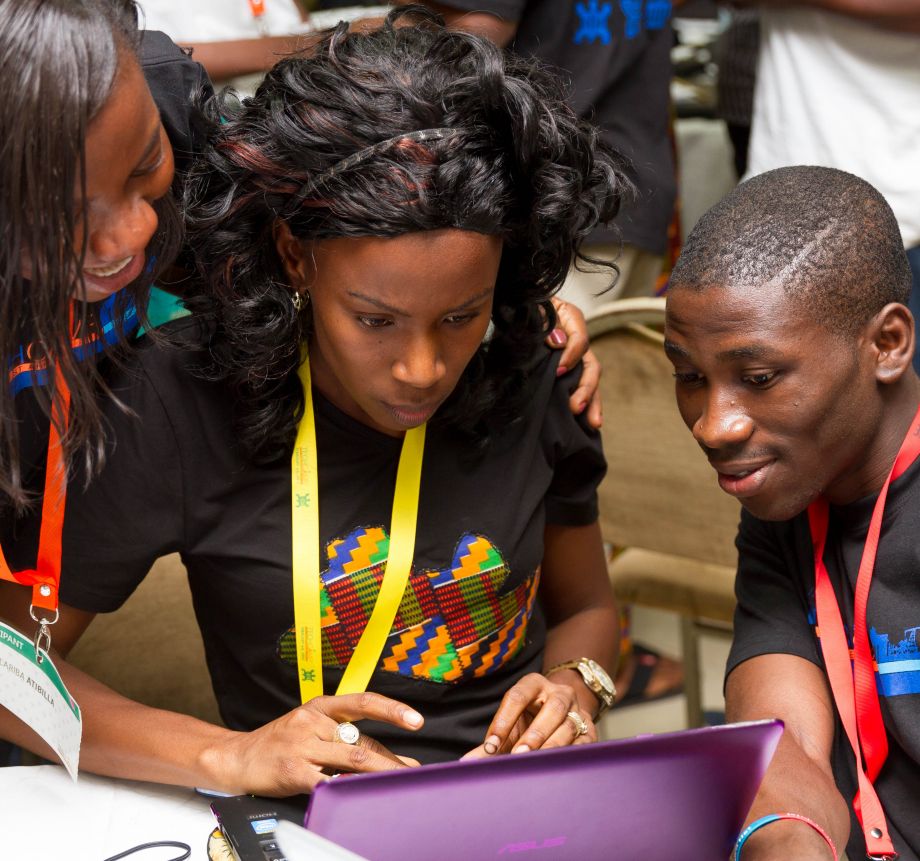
column 645, row 663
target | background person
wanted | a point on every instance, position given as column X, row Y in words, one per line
column 243, row 39
column 615, row 58
column 837, row 84
column 791, row 342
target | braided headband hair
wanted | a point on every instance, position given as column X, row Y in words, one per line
column 363, row 155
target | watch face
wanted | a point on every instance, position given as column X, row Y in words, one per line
column 601, row 675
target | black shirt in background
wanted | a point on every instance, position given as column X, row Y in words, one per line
column 617, row 56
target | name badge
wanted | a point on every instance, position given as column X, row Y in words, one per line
column 36, row 694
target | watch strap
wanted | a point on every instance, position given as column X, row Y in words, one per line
column 583, row 667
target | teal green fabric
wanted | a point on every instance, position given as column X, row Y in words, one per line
column 163, row 307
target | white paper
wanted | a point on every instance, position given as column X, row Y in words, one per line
column 36, row 694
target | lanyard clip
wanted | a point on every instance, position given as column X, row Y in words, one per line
column 42, row 641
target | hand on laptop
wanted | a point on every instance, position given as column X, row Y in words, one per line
column 289, row 755
column 536, row 713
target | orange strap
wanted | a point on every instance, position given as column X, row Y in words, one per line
column 45, row 578
column 853, row 685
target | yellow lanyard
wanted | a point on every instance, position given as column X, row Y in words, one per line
column 306, row 557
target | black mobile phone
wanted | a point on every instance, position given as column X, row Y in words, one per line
column 248, row 823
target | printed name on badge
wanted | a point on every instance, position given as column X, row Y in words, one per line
column 36, row 694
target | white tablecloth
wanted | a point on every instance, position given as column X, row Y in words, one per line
column 46, row 817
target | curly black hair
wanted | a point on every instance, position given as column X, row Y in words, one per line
column 517, row 164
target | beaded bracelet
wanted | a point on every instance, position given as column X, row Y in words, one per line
column 773, row 817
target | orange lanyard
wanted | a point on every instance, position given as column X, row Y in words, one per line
column 854, row 686
column 45, row 578
column 257, row 7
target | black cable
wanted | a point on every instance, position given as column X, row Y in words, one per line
column 175, row 844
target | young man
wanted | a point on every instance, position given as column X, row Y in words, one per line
column 791, row 343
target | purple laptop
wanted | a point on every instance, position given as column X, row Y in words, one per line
column 674, row 797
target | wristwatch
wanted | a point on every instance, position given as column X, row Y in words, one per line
column 595, row 677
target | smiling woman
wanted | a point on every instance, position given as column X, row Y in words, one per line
column 85, row 160
column 128, row 166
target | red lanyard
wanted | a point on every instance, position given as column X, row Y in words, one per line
column 45, row 578
column 854, row 688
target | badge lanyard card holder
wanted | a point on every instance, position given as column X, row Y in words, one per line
column 32, row 688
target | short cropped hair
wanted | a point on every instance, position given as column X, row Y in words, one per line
column 827, row 237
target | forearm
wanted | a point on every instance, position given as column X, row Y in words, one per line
column 125, row 739
column 581, row 611
column 799, row 780
column 794, row 784
column 590, row 633
column 224, row 60
column 900, row 15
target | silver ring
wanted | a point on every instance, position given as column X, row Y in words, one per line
column 581, row 726
column 347, row 733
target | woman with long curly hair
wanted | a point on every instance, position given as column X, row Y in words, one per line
column 363, row 451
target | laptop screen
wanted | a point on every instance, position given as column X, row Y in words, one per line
column 664, row 797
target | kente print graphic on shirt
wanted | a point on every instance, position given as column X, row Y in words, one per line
column 453, row 623
column 897, row 658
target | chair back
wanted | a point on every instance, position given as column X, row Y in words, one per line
column 660, row 494
column 150, row 649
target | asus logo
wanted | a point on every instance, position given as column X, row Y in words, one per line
column 529, row 845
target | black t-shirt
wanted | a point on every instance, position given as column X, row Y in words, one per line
column 776, row 614
column 470, row 623
column 617, row 58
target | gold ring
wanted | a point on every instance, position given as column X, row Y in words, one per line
column 347, row 733
column 581, row 726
